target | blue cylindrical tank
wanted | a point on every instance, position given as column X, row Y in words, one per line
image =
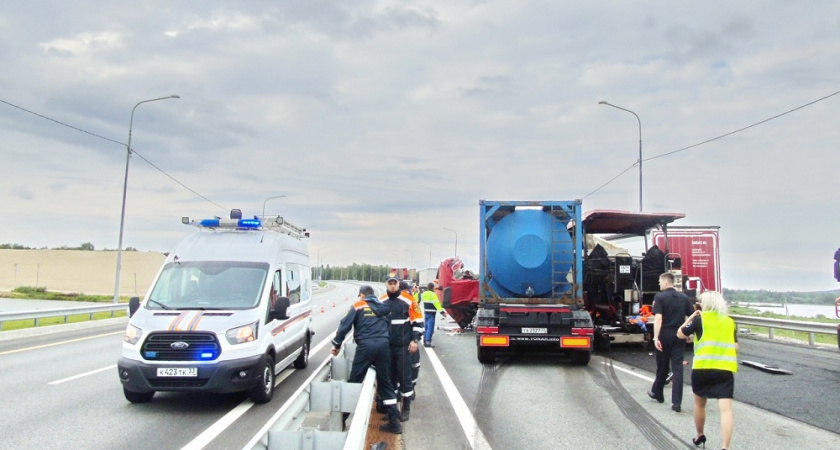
column 519, row 251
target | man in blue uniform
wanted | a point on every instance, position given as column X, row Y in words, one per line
column 406, row 331
column 369, row 319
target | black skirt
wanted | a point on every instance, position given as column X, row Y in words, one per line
column 712, row 383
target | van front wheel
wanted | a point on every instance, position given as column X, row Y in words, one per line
column 138, row 397
column 264, row 390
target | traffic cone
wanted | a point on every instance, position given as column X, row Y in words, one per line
column 322, row 309
column 333, row 304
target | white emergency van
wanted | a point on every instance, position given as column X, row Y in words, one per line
column 229, row 309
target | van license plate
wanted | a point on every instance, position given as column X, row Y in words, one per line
column 177, row 372
column 535, row 330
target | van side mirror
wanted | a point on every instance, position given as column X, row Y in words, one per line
column 133, row 305
column 281, row 309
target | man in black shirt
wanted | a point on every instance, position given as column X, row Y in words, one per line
column 670, row 309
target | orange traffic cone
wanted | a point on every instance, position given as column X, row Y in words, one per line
column 322, row 309
column 333, row 304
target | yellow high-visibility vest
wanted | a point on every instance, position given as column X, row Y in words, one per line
column 716, row 348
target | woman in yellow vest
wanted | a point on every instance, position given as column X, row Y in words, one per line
column 715, row 363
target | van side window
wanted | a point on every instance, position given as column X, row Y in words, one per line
column 275, row 289
column 305, row 284
column 293, row 283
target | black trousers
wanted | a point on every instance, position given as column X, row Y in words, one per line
column 377, row 354
column 402, row 370
column 671, row 357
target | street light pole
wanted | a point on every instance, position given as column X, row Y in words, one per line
column 602, row 102
column 125, row 190
column 320, row 269
column 270, row 198
column 456, row 239
column 430, row 254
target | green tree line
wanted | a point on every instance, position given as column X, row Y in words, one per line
column 87, row 246
column 764, row 296
column 361, row 272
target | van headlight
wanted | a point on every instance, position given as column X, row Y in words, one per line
column 132, row 334
column 245, row 333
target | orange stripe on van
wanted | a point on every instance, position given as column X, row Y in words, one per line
column 176, row 321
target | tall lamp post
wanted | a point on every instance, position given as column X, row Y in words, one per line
column 430, row 254
column 125, row 189
column 456, row 239
column 270, row 198
column 320, row 269
column 602, row 102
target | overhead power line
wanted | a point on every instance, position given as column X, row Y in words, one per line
column 714, row 139
column 120, row 143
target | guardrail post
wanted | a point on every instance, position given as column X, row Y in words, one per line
column 770, row 332
column 838, row 335
column 811, row 340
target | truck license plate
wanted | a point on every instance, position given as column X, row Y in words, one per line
column 535, row 330
column 177, row 372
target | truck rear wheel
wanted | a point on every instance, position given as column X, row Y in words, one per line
column 581, row 358
column 138, row 397
column 264, row 390
column 486, row 355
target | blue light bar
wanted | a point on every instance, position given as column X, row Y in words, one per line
column 249, row 223
column 207, row 355
column 209, row 223
column 231, row 223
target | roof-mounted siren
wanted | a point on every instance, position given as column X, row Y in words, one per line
column 236, row 214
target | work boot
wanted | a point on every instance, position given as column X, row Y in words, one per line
column 406, row 409
column 393, row 426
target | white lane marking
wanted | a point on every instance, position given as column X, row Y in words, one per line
column 256, row 439
column 213, row 431
column 59, row 343
column 217, row 428
column 637, row 375
column 474, row 435
column 64, row 380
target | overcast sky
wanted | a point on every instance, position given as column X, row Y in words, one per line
column 384, row 122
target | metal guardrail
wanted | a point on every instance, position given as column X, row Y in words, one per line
column 811, row 328
column 39, row 314
column 312, row 419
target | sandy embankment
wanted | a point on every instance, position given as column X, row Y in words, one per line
column 88, row 272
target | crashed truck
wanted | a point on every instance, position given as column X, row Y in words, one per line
column 554, row 278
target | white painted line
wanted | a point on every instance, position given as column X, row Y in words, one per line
column 59, row 343
column 213, row 431
column 217, row 428
column 254, row 440
column 474, row 435
column 637, row 375
column 64, row 380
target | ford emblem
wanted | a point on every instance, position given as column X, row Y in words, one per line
column 179, row 345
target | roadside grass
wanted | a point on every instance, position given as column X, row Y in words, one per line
column 21, row 324
column 41, row 293
column 819, row 338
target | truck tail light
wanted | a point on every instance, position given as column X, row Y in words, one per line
column 487, row 330
column 495, row 341
column 575, row 342
column 583, row 331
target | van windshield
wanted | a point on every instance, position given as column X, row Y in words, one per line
column 209, row 285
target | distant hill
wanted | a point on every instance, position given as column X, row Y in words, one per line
column 763, row 296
